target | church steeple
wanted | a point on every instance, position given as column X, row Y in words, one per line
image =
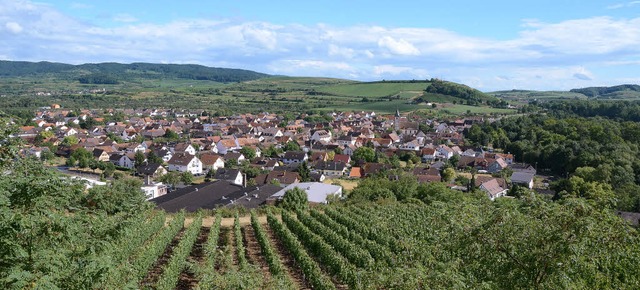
column 397, row 113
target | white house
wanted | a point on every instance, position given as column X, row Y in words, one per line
column 444, row 152
column 493, row 189
column 185, row 162
column 294, row 157
column 226, row 145
column 321, row 135
column 523, row 178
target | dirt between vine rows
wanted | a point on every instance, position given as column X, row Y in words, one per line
column 254, row 252
column 292, row 269
column 188, row 278
column 154, row 274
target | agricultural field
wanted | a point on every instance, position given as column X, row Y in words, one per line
column 365, row 246
column 273, row 94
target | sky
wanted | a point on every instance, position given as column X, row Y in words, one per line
column 490, row 45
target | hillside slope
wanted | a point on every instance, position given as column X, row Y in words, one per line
column 110, row 73
column 614, row 92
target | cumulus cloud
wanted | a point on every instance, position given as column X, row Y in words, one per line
column 13, row 27
column 399, row 47
column 555, row 55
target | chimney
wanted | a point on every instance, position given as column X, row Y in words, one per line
column 244, row 180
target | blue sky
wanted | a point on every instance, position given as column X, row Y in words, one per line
column 490, row 45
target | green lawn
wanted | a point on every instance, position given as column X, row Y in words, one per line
column 373, row 90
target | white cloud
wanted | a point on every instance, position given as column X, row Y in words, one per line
column 391, row 70
column 623, row 5
column 555, row 55
column 399, row 47
column 13, row 27
column 125, row 18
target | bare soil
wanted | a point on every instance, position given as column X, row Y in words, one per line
column 254, row 253
column 292, row 268
column 188, row 278
column 154, row 274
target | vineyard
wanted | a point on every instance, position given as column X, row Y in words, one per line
column 370, row 246
column 329, row 248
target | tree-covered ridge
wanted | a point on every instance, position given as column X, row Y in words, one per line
column 113, row 72
column 472, row 96
column 608, row 92
column 618, row 110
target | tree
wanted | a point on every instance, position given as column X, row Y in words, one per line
column 153, row 158
column 291, row 146
column 186, row 177
column 70, row 140
column 365, row 154
column 170, row 135
column 139, row 159
column 295, row 199
column 448, row 174
column 248, row 152
column 304, row 172
column 171, row 178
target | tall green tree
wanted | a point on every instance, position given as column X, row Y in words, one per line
column 295, row 199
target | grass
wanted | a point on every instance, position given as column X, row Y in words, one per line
column 374, row 90
column 462, row 109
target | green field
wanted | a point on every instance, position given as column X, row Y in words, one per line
column 376, row 90
column 273, row 94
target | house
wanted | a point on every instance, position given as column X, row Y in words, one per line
column 493, row 189
column 356, row 172
column 294, row 157
column 523, row 178
column 184, row 163
column 284, row 178
column 211, row 162
column 239, row 157
column 184, row 148
column 265, row 163
column 371, row 168
column 100, row 155
column 521, row 167
column 321, row 136
column 428, row 155
column 316, row 192
column 444, row 152
column 497, row 165
column 331, row 168
column 231, row 175
column 319, row 156
column 344, row 158
column 226, row 145
column 122, row 160
column 151, row 171
column 154, row 190
column 411, row 146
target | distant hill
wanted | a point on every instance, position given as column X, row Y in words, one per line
column 439, row 90
column 111, row 73
column 615, row 92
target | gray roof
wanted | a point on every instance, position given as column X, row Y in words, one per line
column 522, row 177
column 316, row 192
column 214, row 194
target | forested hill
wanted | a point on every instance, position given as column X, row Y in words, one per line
column 615, row 92
column 109, row 73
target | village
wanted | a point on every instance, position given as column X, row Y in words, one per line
column 191, row 160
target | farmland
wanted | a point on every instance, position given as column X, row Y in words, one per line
column 365, row 246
